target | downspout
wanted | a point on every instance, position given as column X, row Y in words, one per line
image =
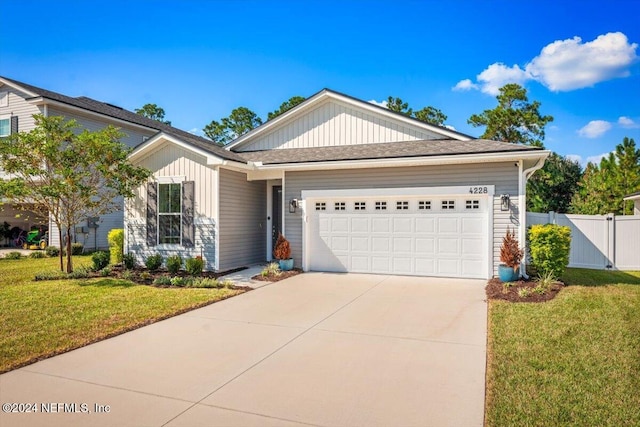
column 524, row 176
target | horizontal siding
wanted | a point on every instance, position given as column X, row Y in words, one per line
column 133, row 135
column 503, row 175
column 19, row 107
column 242, row 220
column 97, row 237
column 335, row 123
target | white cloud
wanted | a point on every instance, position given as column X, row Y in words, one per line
column 596, row 159
column 464, row 85
column 564, row 65
column 497, row 75
column 627, row 122
column 449, row 127
column 594, row 129
column 574, row 158
column 196, row 131
column 379, row 104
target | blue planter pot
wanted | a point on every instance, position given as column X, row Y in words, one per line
column 286, row 264
column 507, row 274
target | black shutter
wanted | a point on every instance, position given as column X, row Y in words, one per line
column 14, row 124
column 188, row 204
column 152, row 214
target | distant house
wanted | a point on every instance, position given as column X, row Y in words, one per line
column 20, row 101
column 636, row 202
column 353, row 186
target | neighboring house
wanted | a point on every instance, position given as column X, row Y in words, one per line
column 20, row 101
column 353, row 186
column 636, row 202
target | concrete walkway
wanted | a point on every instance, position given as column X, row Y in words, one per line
column 316, row 349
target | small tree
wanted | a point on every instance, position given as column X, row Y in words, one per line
column 153, row 112
column 510, row 253
column 549, row 247
column 67, row 175
column 116, row 245
column 282, row 250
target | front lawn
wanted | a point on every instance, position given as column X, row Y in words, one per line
column 40, row 319
column 572, row 361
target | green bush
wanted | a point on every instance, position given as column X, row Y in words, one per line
column 129, row 261
column 174, row 264
column 100, row 260
column 79, row 273
column 13, row 255
column 194, row 266
column 116, row 244
column 37, row 255
column 162, row 281
column 179, row 281
column 76, row 249
column 549, row 247
column 205, row 282
column 50, row 275
column 105, row 272
column 153, row 262
column 52, row 251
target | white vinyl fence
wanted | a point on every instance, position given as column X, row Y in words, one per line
column 598, row 241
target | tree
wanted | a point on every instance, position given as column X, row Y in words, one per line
column 286, row 106
column 66, row 174
column 604, row 186
column 514, row 120
column 397, row 105
column 240, row 121
column 153, row 112
column 431, row 115
column 552, row 187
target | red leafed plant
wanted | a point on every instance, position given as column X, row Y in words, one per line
column 510, row 253
column 282, row 249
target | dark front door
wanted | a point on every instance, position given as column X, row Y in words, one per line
column 276, row 214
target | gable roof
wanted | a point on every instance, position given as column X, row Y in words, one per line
column 325, row 94
column 119, row 113
column 388, row 150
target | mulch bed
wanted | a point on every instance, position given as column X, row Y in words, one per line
column 275, row 278
column 496, row 290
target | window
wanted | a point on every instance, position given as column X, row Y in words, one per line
column 5, row 127
column 448, row 204
column 381, row 206
column 424, row 205
column 169, row 213
column 321, row 206
column 472, row 204
column 402, row 205
column 340, row 206
column 360, row 206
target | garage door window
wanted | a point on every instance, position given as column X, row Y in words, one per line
column 402, row 205
column 424, row 205
column 339, row 206
column 448, row 205
column 472, row 204
column 321, row 206
column 360, row 206
column 381, row 206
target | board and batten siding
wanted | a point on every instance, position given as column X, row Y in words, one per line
column 503, row 175
column 242, row 220
column 172, row 161
column 133, row 135
column 334, row 123
column 17, row 106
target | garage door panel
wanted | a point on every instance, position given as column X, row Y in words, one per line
column 435, row 241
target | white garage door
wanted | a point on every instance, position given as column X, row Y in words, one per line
column 440, row 235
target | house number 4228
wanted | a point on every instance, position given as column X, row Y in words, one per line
column 478, row 190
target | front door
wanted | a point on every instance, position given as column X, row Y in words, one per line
column 276, row 227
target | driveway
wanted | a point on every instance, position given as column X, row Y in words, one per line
column 317, row 349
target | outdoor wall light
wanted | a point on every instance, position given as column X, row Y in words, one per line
column 504, row 202
column 293, row 205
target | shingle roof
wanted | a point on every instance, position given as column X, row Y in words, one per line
column 388, row 150
column 131, row 117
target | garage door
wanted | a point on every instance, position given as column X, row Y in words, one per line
column 440, row 235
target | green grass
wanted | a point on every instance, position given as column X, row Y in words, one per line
column 572, row 361
column 40, row 319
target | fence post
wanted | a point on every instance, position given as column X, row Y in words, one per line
column 611, row 241
column 552, row 217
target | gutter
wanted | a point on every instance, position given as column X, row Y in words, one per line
column 524, row 176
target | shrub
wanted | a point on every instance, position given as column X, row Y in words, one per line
column 226, row 283
column 100, row 260
column 116, row 244
column 105, row 272
column 77, row 248
column 178, row 281
column 549, row 247
column 153, row 262
column 129, row 261
column 37, row 255
column 145, row 275
column 273, row 269
column 52, row 251
column 127, row 275
column 524, row 292
column 205, row 282
column 510, row 253
column 79, row 273
column 282, row 249
column 174, row 264
column 162, row 281
column 194, row 266
column 13, row 255
column 50, row 275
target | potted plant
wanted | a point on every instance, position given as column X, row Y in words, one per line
column 511, row 256
column 282, row 253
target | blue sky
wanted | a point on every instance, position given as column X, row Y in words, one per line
column 200, row 59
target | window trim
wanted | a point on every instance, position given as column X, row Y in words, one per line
column 159, row 214
column 8, row 119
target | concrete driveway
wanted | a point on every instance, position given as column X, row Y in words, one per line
column 317, row 349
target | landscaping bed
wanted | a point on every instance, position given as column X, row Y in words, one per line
column 276, row 276
column 522, row 290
